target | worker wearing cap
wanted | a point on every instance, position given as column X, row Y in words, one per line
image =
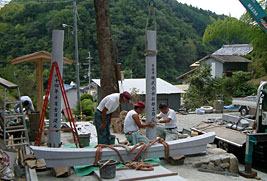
column 167, row 116
column 26, row 104
column 132, row 124
column 103, row 115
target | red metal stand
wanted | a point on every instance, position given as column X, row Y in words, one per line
column 66, row 102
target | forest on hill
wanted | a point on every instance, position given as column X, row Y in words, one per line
column 27, row 27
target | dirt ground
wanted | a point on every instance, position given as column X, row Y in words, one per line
column 186, row 171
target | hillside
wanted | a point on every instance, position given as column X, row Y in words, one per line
column 26, row 28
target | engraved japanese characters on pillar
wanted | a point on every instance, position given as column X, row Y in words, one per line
column 151, row 83
column 55, row 93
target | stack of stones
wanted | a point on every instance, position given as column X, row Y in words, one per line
column 217, row 160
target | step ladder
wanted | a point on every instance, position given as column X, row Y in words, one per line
column 76, row 140
column 19, row 129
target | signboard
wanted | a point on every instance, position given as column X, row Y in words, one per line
column 257, row 12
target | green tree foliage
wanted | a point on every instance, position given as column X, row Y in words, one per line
column 237, row 85
column 86, row 96
column 27, row 27
column 203, row 88
column 87, row 107
column 245, row 30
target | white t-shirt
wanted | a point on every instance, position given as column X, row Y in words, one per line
column 129, row 122
column 172, row 115
column 111, row 102
column 23, row 99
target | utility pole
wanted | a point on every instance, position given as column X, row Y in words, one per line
column 89, row 70
column 76, row 53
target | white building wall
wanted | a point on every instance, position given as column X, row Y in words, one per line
column 216, row 67
column 72, row 98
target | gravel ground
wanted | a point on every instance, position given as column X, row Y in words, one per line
column 190, row 120
column 185, row 171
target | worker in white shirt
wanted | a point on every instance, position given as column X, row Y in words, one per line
column 26, row 104
column 132, row 123
column 103, row 115
column 167, row 116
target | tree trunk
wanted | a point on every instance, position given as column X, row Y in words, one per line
column 108, row 77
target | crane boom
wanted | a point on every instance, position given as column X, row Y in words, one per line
column 257, row 12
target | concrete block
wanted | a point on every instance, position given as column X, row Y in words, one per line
column 216, row 151
column 216, row 160
column 233, row 164
column 224, row 165
column 197, row 164
column 225, row 158
column 211, row 166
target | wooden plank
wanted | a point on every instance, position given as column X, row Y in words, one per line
column 39, row 85
column 150, row 177
column 31, row 174
column 7, row 84
column 57, row 157
column 234, row 137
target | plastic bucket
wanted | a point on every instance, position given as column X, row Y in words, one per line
column 107, row 171
column 85, row 139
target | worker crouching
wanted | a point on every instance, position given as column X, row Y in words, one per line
column 132, row 123
column 167, row 116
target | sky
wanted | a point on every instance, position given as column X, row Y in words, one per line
column 227, row 7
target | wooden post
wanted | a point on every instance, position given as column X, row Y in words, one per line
column 55, row 93
column 151, row 83
column 39, row 85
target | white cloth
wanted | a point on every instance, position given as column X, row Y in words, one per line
column 23, row 99
column 129, row 122
column 172, row 115
column 111, row 102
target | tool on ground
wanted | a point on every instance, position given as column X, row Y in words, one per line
column 19, row 128
column 66, row 102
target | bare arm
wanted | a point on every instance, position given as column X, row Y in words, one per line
column 103, row 118
column 139, row 124
column 165, row 121
column 103, row 115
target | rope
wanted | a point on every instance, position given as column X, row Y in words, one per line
column 133, row 164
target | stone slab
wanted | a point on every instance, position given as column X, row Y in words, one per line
column 131, row 173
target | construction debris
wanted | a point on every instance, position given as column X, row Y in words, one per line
column 216, row 160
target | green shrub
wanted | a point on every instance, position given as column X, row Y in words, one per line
column 87, row 106
column 203, row 88
column 86, row 96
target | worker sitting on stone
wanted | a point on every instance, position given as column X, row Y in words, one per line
column 26, row 104
column 167, row 116
column 103, row 115
column 132, row 123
